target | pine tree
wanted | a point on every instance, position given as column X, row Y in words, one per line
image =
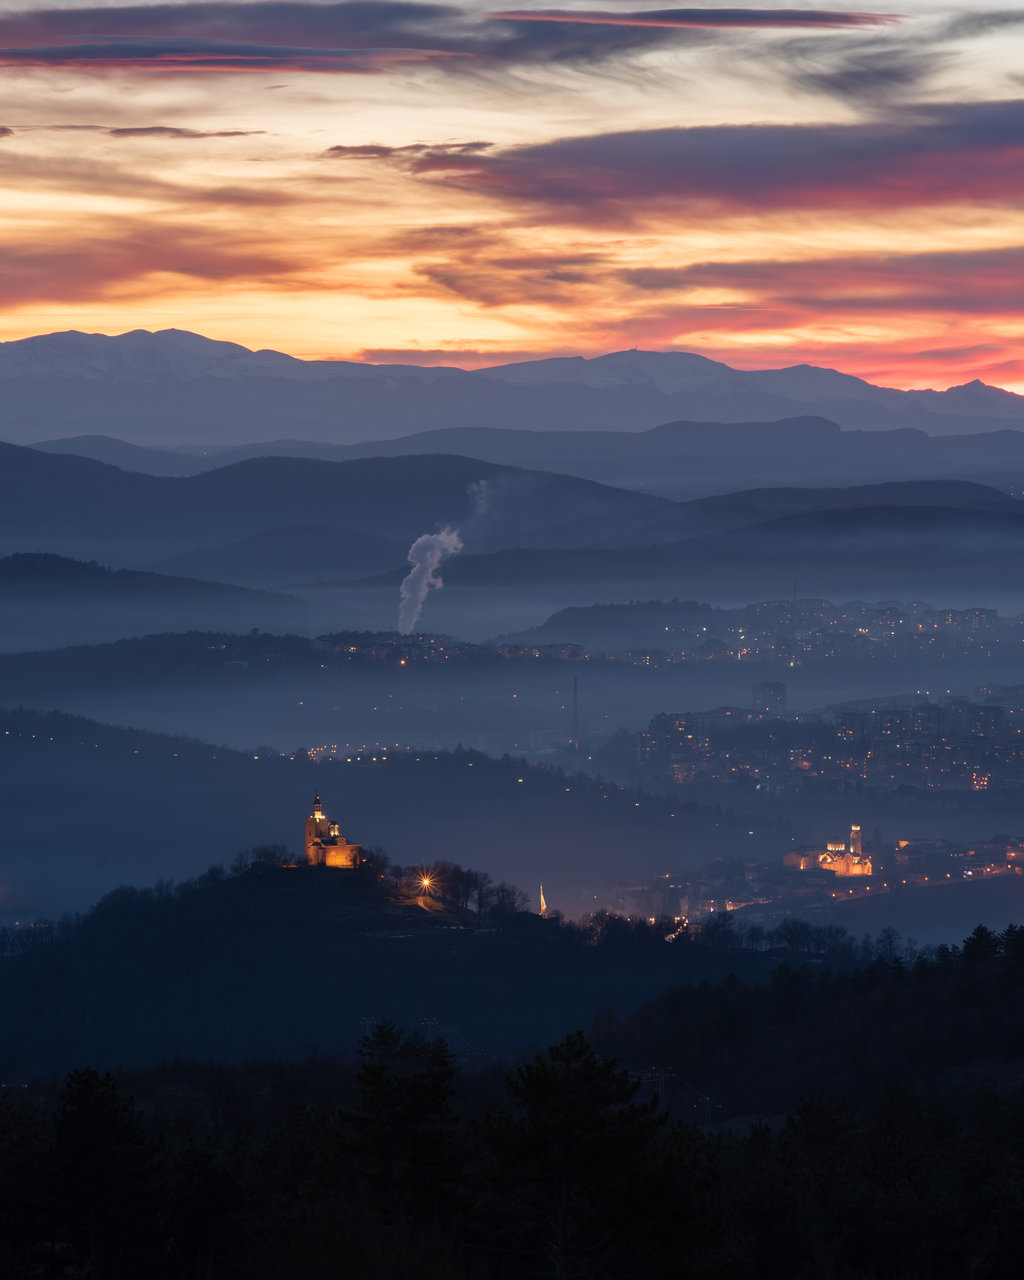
column 106, row 1179
column 575, row 1170
column 403, row 1141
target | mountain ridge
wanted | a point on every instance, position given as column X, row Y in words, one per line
column 73, row 505
column 85, row 382
column 681, row 460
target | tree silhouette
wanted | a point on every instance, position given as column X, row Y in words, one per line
column 572, row 1169
column 402, row 1137
column 23, row 1185
column 106, row 1178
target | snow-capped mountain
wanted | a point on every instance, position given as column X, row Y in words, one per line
column 174, row 387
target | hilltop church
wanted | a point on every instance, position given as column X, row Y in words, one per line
column 325, row 846
column 840, row 857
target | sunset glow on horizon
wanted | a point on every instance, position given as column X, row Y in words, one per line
column 471, row 185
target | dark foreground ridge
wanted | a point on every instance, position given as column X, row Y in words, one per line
column 566, row 1165
column 276, row 959
column 281, row 960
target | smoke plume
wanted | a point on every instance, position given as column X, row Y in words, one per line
column 480, row 492
column 425, row 556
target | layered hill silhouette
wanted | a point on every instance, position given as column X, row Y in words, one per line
column 148, row 461
column 34, row 575
column 177, row 387
column 873, row 548
column 303, row 553
column 48, row 600
column 68, row 504
column 677, row 459
column 250, row 523
column 751, row 506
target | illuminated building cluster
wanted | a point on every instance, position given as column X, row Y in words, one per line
column 399, row 650
column 952, row 744
column 799, row 631
column 811, row 880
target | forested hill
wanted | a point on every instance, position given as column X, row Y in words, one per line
column 273, row 959
column 89, row 806
column 307, row 1170
column 279, row 960
column 949, row 1018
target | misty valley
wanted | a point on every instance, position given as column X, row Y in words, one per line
column 509, row 738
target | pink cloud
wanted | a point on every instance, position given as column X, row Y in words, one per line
column 983, row 282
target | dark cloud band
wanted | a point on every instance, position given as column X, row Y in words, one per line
column 214, row 55
column 945, row 154
column 361, row 36
column 701, row 18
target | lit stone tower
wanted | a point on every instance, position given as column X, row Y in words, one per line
column 855, row 842
column 325, row 846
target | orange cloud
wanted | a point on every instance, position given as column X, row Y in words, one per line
column 122, row 258
column 455, row 357
column 749, row 241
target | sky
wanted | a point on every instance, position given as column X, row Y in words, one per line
column 467, row 184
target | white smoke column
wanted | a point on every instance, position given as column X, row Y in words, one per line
column 425, row 556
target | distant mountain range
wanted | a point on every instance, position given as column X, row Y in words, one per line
column 275, row 520
column 679, row 460
column 174, row 387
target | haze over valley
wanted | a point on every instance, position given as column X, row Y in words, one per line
column 250, row 600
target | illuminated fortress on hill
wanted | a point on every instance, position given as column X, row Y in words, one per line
column 325, row 846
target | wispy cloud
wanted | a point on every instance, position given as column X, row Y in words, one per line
column 760, row 19
column 982, row 22
column 168, row 131
column 184, row 54
column 417, row 157
column 871, row 71
column 364, row 36
column 355, row 39
column 979, row 282
column 139, row 131
column 85, row 176
column 547, row 279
